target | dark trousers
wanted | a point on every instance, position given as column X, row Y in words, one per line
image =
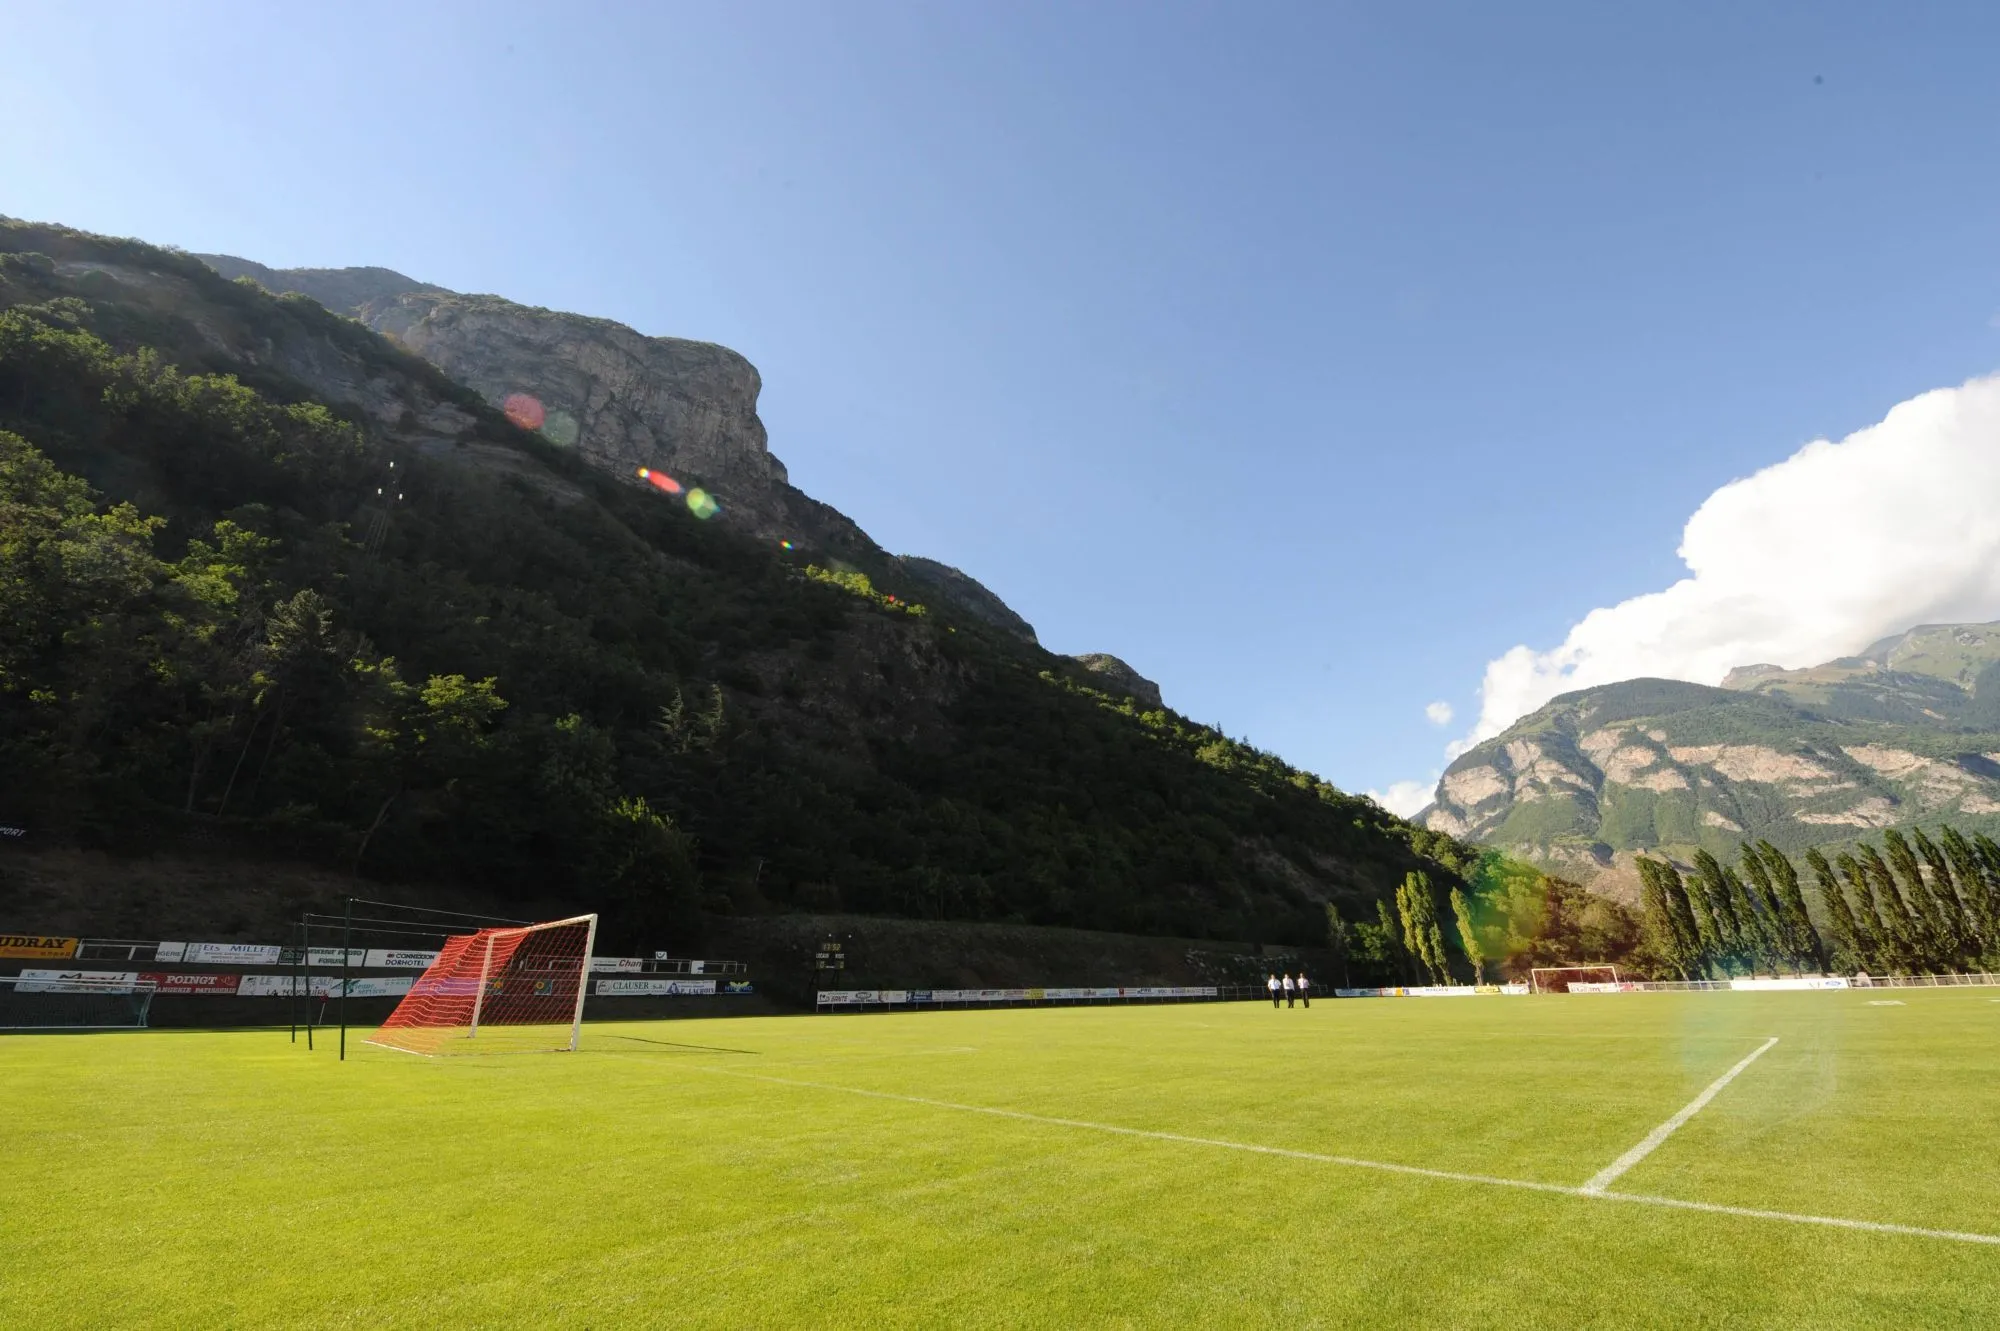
column 1305, row 998
column 1288, row 998
column 1274, row 998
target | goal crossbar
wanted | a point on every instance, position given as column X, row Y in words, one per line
column 1556, row 979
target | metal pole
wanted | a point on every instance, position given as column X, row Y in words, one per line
column 346, row 945
column 306, row 937
column 297, row 960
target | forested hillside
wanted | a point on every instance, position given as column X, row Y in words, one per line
column 267, row 580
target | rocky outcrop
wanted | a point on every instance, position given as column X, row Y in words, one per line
column 1121, row 678
column 342, row 290
column 967, row 593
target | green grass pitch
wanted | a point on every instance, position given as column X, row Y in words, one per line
column 727, row 1172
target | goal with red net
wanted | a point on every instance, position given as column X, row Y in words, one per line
column 511, row 990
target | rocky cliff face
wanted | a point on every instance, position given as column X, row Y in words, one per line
column 622, row 401
column 1803, row 758
column 1121, row 678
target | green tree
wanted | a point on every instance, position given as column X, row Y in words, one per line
column 1855, row 946
column 1468, row 935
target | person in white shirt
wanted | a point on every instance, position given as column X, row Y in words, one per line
column 1271, row 983
column 1305, row 994
column 1288, row 989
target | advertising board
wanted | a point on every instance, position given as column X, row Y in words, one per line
column 39, row 946
column 202, row 982
column 46, row 981
column 241, row 954
column 615, row 988
column 396, row 959
column 617, row 964
column 1789, row 982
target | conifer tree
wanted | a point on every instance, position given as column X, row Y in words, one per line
column 1468, row 936
column 1339, row 941
column 1855, row 946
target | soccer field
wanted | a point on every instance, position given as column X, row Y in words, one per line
column 1201, row 1165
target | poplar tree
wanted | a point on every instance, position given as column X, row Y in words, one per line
column 1977, row 884
column 1886, row 918
column 1805, row 938
column 1855, row 945
column 1390, row 932
column 1712, row 888
column 1468, row 936
column 1944, row 890
column 1676, row 943
column 1339, row 941
column 1939, row 931
column 1897, row 915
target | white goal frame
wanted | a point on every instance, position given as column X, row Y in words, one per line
column 1536, row 985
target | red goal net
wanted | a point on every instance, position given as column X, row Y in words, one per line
column 498, row 991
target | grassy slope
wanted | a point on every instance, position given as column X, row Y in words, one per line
column 230, row 1178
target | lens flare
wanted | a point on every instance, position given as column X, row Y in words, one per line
column 561, row 428
column 702, row 504
column 784, row 545
column 659, row 480
column 524, row 410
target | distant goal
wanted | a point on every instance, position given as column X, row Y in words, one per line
column 1558, row 979
column 74, row 1002
column 511, row 990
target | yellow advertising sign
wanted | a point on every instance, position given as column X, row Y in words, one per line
column 36, row 945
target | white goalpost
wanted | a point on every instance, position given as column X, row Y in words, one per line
column 518, row 989
column 1572, row 979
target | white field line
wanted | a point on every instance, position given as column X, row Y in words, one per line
column 1383, row 1166
column 1606, row 1176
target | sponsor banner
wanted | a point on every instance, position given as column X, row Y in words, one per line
column 617, row 963
column 652, row 988
column 170, row 952
column 895, row 995
column 1515, row 989
column 923, row 996
column 40, row 946
column 323, row 986
column 244, row 954
column 13, row 833
column 324, row 956
column 172, row 982
column 1602, row 987
column 394, row 959
column 1790, row 982
column 35, row 981
column 738, row 987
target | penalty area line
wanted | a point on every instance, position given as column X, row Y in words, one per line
column 1380, row 1166
column 1608, row 1175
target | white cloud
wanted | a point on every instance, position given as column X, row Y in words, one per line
column 1404, row 798
column 1815, row 557
column 1439, row 712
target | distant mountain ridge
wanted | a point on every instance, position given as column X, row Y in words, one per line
column 1904, row 732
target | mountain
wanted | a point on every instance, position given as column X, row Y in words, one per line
column 1907, row 731
column 271, row 581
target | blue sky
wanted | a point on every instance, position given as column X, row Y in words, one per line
column 1308, row 357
